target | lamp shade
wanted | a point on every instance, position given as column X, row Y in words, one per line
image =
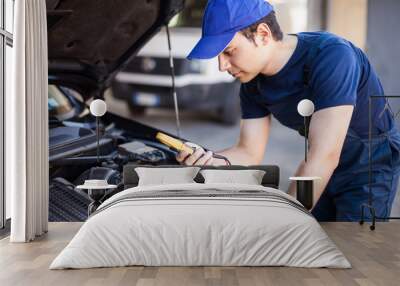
column 305, row 107
column 98, row 107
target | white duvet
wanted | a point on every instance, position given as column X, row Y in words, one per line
column 183, row 231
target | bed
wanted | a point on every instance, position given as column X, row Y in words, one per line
column 201, row 224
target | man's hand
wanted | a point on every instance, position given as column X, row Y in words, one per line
column 199, row 157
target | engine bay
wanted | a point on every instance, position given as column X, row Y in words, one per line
column 73, row 157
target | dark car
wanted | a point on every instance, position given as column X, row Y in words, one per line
column 89, row 43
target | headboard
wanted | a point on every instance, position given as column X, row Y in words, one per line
column 270, row 179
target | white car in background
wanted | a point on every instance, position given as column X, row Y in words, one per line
column 146, row 81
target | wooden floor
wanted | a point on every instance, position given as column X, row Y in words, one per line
column 375, row 257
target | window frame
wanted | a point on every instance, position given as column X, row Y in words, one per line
column 6, row 39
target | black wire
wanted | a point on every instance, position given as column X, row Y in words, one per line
column 217, row 156
column 97, row 139
column 369, row 151
column 305, row 138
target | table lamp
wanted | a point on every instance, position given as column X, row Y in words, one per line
column 305, row 185
column 98, row 108
column 306, row 108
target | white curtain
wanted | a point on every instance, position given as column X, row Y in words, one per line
column 27, row 124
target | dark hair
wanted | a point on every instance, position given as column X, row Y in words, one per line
column 272, row 23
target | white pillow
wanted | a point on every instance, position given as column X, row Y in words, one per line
column 249, row 177
column 162, row 176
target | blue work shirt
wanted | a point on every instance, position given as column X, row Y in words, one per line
column 339, row 74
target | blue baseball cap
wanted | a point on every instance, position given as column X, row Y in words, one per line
column 222, row 19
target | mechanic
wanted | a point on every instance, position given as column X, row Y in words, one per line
column 277, row 71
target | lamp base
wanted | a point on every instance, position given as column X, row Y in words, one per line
column 304, row 193
column 305, row 190
column 96, row 196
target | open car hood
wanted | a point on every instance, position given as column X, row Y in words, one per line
column 89, row 41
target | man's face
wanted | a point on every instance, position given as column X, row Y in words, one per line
column 243, row 58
